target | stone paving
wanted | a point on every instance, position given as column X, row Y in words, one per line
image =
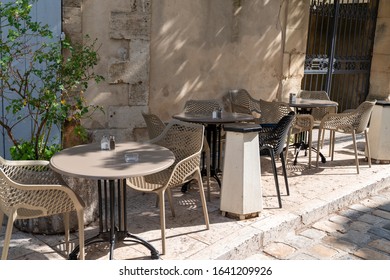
column 321, row 208
column 359, row 231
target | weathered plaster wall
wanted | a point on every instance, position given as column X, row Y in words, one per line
column 156, row 54
column 296, row 25
column 380, row 67
column 201, row 49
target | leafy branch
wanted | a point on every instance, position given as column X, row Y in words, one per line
column 43, row 80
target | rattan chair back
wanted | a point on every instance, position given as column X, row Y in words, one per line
column 356, row 119
column 273, row 111
column 30, row 189
column 243, row 102
column 154, row 124
column 203, row 106
column 317, row 113
column 276, row 136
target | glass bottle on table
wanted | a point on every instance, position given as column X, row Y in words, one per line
column 112, row 142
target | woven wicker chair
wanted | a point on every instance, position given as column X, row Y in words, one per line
column 352, row 122
column 185, row 140
column 318, row 113
column 272, row 140
column 202, row 106
column 154, row 124
column 273, row 111
column 242, row 102
column 30, row 189
column 206, row 107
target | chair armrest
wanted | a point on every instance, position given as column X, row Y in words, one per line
column 181, row 173
column 184, row 169
column 31, row 172
column 42, row 196
column 343, row 122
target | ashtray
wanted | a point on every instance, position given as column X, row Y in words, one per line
column 131, row 157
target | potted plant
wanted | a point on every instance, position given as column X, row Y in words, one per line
column 47, row 91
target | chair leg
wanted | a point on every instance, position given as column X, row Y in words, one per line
column 276, row 177
column 202, row 198
column 170, row 201
column 310, row 143
column 285, row 173
column 80, row 218
column 323, row 138
column 161, row 195
column 1, row 224
column 8, row 233
column 66, row 229
column 332, row 146
column 355, row 147
column 1, row 220
column 331, row 139
column 287, row 144
column 206, row 148
column 318, row 146
column 368, row 148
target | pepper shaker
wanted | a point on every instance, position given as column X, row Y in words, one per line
column 112, row 142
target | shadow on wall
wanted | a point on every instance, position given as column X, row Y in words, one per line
column 201, row 49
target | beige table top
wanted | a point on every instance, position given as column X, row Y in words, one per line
column 226, row 117
column 312, row 103
column 89, row 161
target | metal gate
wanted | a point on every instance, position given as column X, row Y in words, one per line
column 47, row 12
column 339, row 49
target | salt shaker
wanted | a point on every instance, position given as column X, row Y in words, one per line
column 219, row 113
column 104, row 143
column 112, row 142
column 293, row 98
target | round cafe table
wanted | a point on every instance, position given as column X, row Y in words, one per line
column 307, row 104
column 213, row 128
column 110, row 169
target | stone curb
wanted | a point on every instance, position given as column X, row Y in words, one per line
column 251, row 239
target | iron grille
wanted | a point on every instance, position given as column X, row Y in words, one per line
column 339, row 49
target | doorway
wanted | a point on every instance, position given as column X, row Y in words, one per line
column 339, row 49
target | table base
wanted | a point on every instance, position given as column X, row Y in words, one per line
column 120, row 236
column 302, row 146
column 113, row 219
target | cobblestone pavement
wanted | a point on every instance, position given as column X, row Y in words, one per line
column 360, row 231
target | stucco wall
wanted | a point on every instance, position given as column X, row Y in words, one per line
column 201, row 49
column 156, row 54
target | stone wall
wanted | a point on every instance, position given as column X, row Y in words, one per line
column 155, row 55
column 380, row 67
